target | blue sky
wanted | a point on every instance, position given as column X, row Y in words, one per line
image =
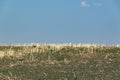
column 60, row 21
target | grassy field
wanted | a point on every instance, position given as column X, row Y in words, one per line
column 65, row 62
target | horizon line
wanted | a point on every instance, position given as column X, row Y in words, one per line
column 62, row 44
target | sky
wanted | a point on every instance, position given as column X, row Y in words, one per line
column 60, row 21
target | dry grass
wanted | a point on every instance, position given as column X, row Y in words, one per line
column 59, row 62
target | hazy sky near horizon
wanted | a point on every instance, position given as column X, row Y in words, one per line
column 60, row 21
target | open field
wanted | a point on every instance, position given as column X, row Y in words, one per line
column 59, row 62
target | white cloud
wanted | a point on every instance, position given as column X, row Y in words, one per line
column 84, row 4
